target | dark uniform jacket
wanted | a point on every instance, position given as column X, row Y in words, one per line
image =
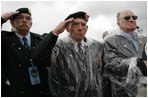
column 15, row 80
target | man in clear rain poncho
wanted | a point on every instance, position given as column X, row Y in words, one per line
column 75, row 62
column 125, row 58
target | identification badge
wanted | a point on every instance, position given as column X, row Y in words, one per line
column 34, row 75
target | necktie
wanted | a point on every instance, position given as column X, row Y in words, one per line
column 80, row 49
column 134, row 43
column 26, row 47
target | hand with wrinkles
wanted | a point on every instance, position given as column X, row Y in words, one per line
column 8, row 16
column 62, row 26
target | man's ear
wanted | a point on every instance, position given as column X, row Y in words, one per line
column 86, row 28
column 31, row 24
column 118, row 23
column 12, row 23
column 68, row 27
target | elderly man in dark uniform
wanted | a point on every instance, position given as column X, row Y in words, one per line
column 17, row 50
column 76, row 61
column 125, row 57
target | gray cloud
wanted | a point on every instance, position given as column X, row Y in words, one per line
column 47, row 14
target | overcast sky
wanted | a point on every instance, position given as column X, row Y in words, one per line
column 48, row 14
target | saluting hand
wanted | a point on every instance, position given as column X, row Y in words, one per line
column 8, row 16
column 62, row 26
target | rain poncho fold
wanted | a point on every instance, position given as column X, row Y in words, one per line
column 74, row 75
column 121, row 65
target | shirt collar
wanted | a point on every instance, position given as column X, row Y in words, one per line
column 128, row 36
column 76, row 43
column 20, row 36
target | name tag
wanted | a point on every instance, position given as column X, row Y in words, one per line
column 34, row 75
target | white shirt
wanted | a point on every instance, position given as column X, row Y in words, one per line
column 76, row 44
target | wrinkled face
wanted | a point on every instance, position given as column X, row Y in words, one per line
column 22, row 22
column 78, row 29
column 127, row 21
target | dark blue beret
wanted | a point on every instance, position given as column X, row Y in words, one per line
column 79, row 14
column 22, row 10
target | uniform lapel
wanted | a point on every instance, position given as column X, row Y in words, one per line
column 140, row 46
column 16, row 46
column 33, row 44
column 126, row 47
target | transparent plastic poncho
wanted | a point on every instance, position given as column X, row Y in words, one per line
column 121, row 66
column 73, row 75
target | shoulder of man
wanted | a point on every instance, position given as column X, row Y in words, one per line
column 61, row 43
column 113, row 41
column 6, row 33
column 95, row 44
column 92, row 41
column 143, row 39
column 113, row 38
column 38, row 36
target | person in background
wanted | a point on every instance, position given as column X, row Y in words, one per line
column 105, row 34
column 75, row 64
column 124, row 59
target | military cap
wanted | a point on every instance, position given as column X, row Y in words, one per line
column 79, row 14
column 22, row 10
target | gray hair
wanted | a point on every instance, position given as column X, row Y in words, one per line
column 118, row 15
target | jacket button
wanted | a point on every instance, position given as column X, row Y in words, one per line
column 20, row 65
column 30, row 60
column 71, row 88
column 41, row 92
column 22, row 92
column 19, row 48
column 125, row 45
column 33, row 47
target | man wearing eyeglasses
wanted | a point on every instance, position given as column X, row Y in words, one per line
column 17, row 49
column 125, row 59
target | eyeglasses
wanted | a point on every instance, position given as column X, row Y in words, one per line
column 20, row 17
column 128, row 17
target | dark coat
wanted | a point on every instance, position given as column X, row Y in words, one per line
column 15, row 64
